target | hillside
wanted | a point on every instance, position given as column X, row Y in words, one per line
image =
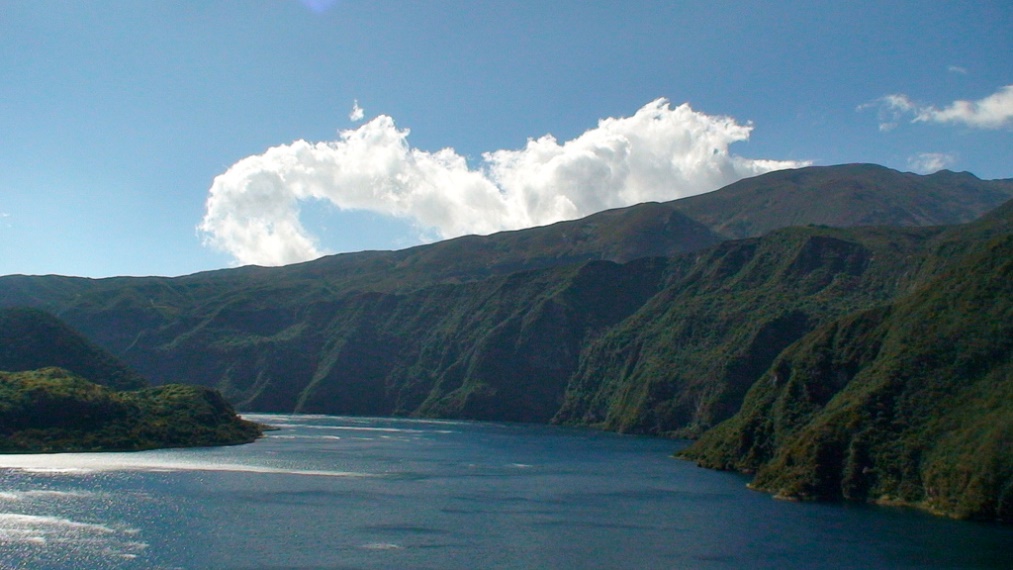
column 31, row 339
column 46, row 404
column 684, row 361
column 847, row 195
column 910, row 402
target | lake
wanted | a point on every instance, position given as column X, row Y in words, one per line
column 337, row 492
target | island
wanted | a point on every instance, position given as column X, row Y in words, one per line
column 54, row 408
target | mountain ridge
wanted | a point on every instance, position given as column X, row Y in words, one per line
column 148, row 320
column 539, row 326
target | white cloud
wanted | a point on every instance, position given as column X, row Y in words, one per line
column 957, row 69
column 992, row 112
column 660, row 153
column 357, row 112
column 929, row 162
column 891, row 110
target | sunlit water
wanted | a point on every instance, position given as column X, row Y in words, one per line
column 328, row 492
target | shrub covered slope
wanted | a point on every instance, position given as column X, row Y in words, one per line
column 53, row 410
column 909, row 402
column 45, row 408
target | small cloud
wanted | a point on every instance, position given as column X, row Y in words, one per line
column 929, row 162
column 957, row 69
column 357, row 112
column 992, row 112
column 890, row 110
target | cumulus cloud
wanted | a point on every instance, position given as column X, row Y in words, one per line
column 659, row 153
column 992, row 112
column 929, row 162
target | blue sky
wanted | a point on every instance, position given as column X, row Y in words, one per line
column 135, row 136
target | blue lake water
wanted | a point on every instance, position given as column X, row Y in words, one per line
column 335, row 492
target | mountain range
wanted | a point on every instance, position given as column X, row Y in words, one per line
column 663, row 318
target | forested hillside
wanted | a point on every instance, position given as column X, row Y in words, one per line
column 47, row 404
column 909, row 402
column 664, row 319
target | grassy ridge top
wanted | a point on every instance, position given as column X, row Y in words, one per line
column 845, row 195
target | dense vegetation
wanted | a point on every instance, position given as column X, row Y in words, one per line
column 47, row 405
column 30, row 339
column 685, row 359
column 908, row 402
column 661, row 318
column 50, row 410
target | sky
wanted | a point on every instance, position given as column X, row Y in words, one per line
column 168, row 137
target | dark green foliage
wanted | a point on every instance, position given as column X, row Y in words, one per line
column 685, row 360
column 53, row 410
column 47, row 405
column 502, row 348
column 911, row 402
column 31, row 339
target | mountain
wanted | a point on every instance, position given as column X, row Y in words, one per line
column 676, row 319
column 847, row 195
column 47, row 405
column 265, row 335
column 908, row 402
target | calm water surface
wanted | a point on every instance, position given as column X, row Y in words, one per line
column 335, row 492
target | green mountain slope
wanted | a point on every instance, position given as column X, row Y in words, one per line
column 500, row 348
column 47, row 405
column 685, row 360
column 31, row 339
column 909, row 402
